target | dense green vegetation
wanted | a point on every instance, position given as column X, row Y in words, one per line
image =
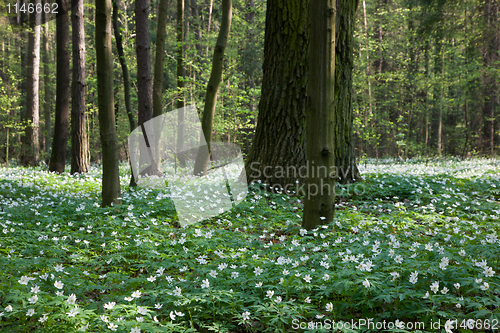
column 415, row 242
column 236, row 109
column 425, row 75
column 426, row 78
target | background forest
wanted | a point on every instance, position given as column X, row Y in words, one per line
column 425, row 79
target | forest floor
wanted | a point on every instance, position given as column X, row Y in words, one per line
column 414, row 247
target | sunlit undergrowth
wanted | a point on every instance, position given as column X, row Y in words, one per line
column 415, row 242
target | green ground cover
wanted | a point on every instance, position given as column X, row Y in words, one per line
column 412, row 244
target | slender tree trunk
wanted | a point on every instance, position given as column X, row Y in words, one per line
column 31, row 145
column 210, row 7
column 13, row 106
column 440, row 119
column 123, row 64
column 47, row 93
column 180, row 81
column 126, row 78
column 490, row 60
column 202, row 158
column 7, row 147
column 368, row 72
column 6, row 82
column 23, row 18
column 80, row 153
column 144, row 79
column 196, row 26
column 161, row 34
column 159, row 68
column 437, row 98
column 249, row 67
column 107, row 126
column 320, row 115
column 186, row 21
column 144, row 82
column 345, row 159
column 59, row 142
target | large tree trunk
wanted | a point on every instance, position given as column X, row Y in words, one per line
column 80, row 154
column 277, row 156
column 345, row 159
column 320, row 115
column 47, row 93
column 278, row 145
column 202, row 158
column 31, row 145
column 107, row 126
column 59, row 142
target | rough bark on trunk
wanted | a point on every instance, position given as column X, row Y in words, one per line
column 107, row 126
column 80, row 154
column 202, row 158
column 144, row 80
column 345, row 159
column 320, row 115
column 278, row 145
column 31, row 145
column 159, row 68
column 59, row 142
column 277, row 156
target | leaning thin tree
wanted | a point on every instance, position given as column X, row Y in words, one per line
column 107, row 126
column 320, row 115
column 207, row 122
